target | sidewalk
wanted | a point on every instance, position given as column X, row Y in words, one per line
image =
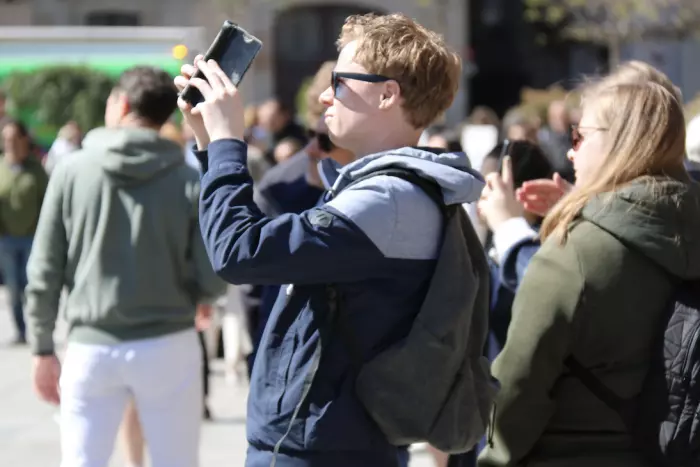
column 29, row 433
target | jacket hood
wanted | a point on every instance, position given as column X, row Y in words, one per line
column 133, row 155
column 451, row 171
column 658, row 217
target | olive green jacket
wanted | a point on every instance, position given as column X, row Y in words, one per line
column 599, row 297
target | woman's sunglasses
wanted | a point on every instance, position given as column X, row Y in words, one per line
column 323, row 140
column 577, row 138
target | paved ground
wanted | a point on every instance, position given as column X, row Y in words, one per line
column 29, row 433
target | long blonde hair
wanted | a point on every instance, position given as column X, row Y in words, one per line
column 646, row 127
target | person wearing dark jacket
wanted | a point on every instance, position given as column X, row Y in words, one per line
column 375, row 241
column 597, row 288
column 292, row 187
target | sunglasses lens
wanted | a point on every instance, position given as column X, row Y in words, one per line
column 576, row 139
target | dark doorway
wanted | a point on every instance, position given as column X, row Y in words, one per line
column 508, row 57
column 305, row 38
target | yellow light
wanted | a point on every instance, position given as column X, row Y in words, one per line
column 180, row 52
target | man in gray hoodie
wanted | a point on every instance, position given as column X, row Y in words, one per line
column 119, row 231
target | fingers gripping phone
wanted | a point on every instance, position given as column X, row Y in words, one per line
column 234, row 49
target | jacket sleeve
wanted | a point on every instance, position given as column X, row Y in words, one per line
column 539, row 340
column 46, row 266
column 515, row 243
column 320, row 245
column 516, row 261
column 209, row 286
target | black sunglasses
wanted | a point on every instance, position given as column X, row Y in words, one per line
column 323, row 140
column 336, row 76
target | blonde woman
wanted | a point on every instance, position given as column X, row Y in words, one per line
column 600, row 282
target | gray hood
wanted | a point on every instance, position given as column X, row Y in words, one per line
column 133, row 155
column 452, row 171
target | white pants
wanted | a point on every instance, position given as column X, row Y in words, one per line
column 163, row 375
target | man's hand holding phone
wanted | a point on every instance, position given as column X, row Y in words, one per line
column 220, row 114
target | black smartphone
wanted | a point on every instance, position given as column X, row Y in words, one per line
column 234, row 49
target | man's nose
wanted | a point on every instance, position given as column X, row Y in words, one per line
column 326, row 97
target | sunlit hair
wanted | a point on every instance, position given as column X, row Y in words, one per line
column 636, row 71
column 395, row 46
column 645, row 127
column 320, row 82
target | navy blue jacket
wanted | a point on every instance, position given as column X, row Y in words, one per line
column 376, row 242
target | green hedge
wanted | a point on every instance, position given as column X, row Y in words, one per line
column 49, row 97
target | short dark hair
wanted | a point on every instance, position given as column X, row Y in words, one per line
column 150, row 93
column 528, row 159
column 22, row 129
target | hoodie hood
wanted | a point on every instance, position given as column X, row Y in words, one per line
column 133, row 155
column 658, row 217
column 451, row 171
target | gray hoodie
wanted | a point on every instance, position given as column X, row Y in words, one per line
column 118, row 229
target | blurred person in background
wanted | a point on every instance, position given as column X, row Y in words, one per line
column 254, row 134
column 285, row 149
column 440, row 137
column 4, row 117
column 22, row 187
column 276, row 121
column 119, row 230
column 482, row 115
column 188, row 137
column 68, row 140
column 258, row 163
column 131, row 432
column 692, row 144
column 283, row 188
column 480, row 134
column 555, row 138
column 519, row 126
column 171, row 131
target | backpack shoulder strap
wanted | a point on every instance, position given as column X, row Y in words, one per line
column 625, row 408
column 432, row 189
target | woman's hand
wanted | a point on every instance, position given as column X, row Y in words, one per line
column 539, row 196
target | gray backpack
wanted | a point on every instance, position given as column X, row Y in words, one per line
column 435, row 385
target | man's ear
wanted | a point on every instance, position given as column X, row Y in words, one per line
column 390, row 96
column 122, row 103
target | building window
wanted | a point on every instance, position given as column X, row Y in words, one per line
column 112, row 18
